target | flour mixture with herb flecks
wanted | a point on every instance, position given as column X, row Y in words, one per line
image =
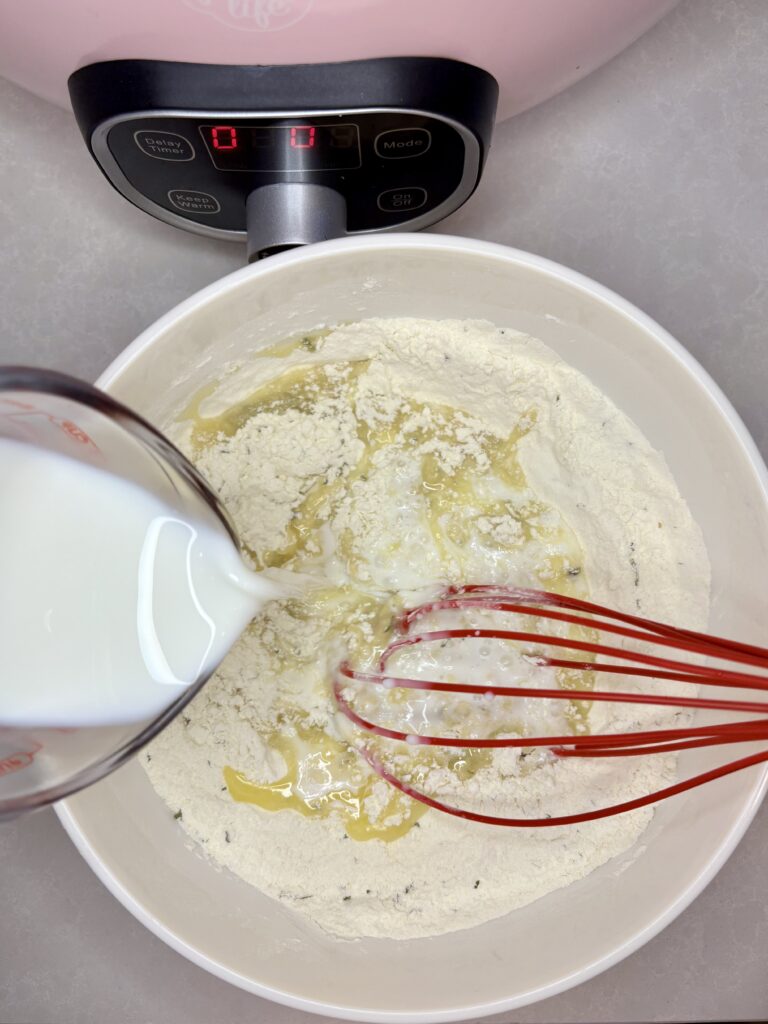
column 387, row 459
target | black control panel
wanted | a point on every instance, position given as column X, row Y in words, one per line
column 387, row 165
column 403, row 140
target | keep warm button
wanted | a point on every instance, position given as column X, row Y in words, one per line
column 193, row 202
column 402, row 200
column 402, row 142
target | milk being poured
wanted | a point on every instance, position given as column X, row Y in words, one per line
column 111, row 602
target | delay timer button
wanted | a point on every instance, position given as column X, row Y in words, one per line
column 193, row 202
column 400, row 143
column 164, row 145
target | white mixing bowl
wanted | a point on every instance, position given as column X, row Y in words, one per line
column 131, row 841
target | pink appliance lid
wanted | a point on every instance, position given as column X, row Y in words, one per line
column 534, row 48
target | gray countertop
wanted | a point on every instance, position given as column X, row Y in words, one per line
column 650, row 176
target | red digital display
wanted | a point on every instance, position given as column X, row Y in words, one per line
column 303, row 136
column 224, row 137
column 283, row 147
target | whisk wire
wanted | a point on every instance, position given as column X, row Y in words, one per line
column 573, row 611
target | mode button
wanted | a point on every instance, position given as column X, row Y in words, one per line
column 400, row 143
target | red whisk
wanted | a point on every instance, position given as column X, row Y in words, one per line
column 623, row 661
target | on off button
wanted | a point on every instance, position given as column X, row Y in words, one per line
column 402, row 200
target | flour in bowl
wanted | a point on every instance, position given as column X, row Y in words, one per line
column 387, row 459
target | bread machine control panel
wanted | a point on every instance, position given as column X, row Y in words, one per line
column 358, row 146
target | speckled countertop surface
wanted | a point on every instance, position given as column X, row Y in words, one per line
column 650, row 176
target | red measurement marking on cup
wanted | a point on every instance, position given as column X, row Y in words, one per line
column 75, row 432
column 19, row 760
column 15, row 406
column 23, row 414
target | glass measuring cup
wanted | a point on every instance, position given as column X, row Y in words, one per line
column 64, row 416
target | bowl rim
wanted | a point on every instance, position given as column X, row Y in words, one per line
column 595, row 291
